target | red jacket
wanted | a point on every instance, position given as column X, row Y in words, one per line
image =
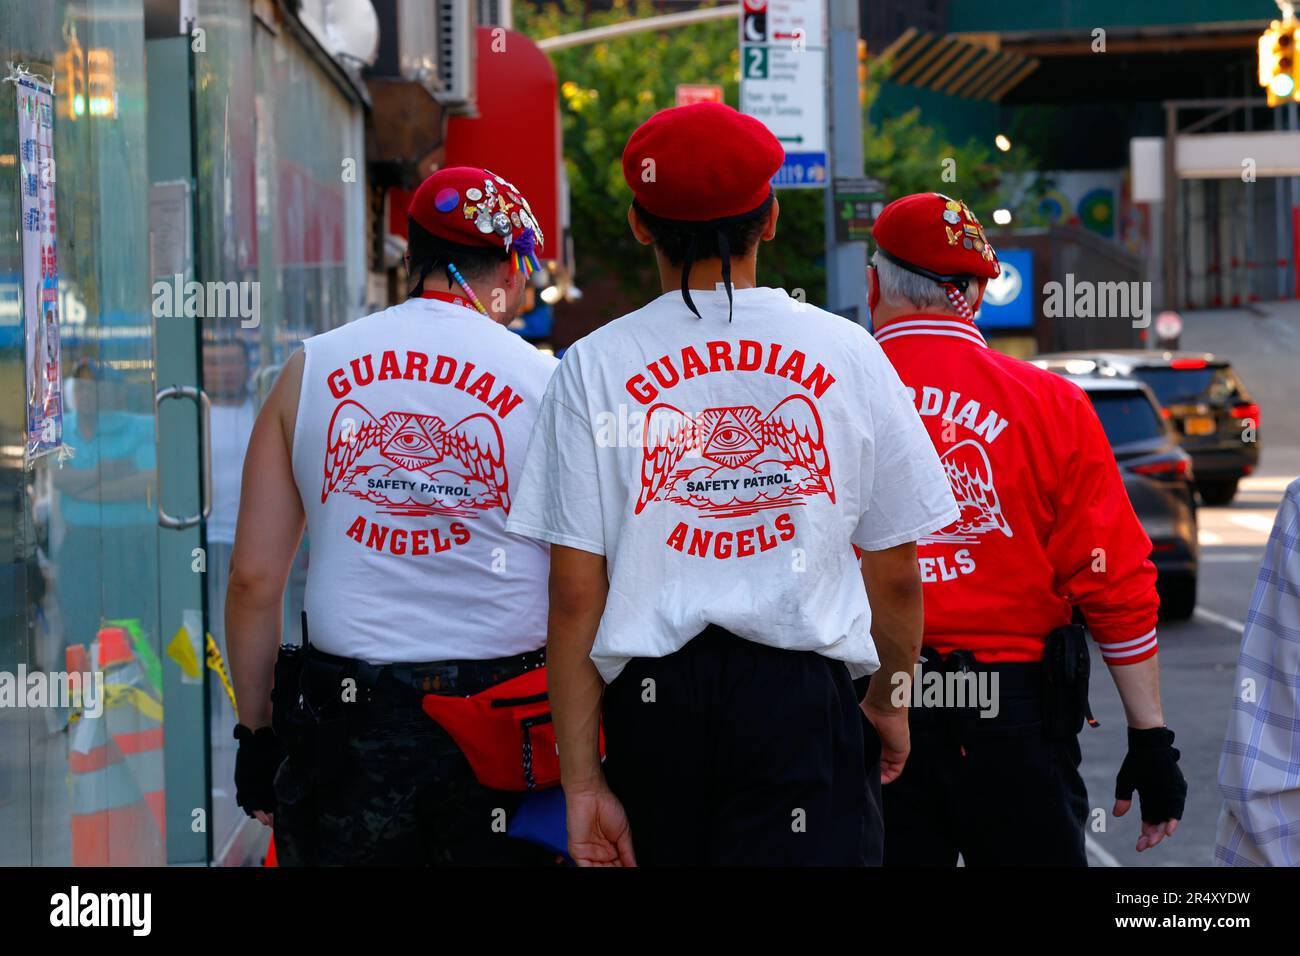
column 1045, row 520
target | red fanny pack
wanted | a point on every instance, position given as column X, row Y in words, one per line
column 505, row 732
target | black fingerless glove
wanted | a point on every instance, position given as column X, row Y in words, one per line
column 259, row 756
column 1151, row 767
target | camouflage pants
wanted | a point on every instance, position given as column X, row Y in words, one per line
column 404, row 795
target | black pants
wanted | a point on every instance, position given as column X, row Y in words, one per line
column 994, row 790
column 730, row 753
column 403, row 793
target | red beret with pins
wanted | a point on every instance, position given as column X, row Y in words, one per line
column 476, row 207
column 936, row 236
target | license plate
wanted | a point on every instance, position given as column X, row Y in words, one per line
column 1198, row 425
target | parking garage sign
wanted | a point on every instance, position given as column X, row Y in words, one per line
column 1009, row 299
column 783, row 82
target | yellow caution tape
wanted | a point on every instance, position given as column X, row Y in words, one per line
column 217, row 664
column 120, row 695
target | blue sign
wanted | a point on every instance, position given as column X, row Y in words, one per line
column 1009, row 299
column 801, row 171
column 535, row 324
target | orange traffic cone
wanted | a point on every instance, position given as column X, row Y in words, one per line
column 115, row 763
column 136, row 727
column 111, row 823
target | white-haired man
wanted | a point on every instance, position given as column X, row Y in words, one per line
column 1045, row 526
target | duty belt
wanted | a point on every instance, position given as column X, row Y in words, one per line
column 411, row 680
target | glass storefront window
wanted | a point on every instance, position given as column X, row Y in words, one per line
column 85, row 570
column 77, row 787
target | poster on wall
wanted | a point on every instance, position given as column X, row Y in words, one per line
column 40, row 265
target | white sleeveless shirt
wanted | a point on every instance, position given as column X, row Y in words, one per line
column 412, row 425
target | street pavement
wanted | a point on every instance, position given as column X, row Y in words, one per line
column 1198, row 658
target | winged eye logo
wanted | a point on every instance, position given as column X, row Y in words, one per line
column 750, row 461
column 415, row 464
column 971, row 477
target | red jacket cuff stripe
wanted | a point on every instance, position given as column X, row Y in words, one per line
column 1132, row 651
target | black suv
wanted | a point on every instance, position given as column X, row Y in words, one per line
column 1214, row 417
column 1157, row 476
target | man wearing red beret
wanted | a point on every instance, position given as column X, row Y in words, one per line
column 1045, row 526
column 703, row 579
column 396, row 441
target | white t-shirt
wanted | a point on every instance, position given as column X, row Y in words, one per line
column 411, row 430
column 784, row 437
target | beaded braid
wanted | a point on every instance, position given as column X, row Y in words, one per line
column 469, row 290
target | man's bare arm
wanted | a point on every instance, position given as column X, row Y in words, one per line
column 1139, row 689
column 599, row 834
column 579, row 584
column 270, row 526
column 893, row 581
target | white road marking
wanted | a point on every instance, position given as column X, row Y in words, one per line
column 1266, row 483
column 1222, row 620
column 1098, row 851
column 1208, row 537
column 1251, row 522
column 1235, row 557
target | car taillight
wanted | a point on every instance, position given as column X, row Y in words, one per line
column 1248, row 410
column 1166, row 413
column 1173, row 466
column 1187, row 363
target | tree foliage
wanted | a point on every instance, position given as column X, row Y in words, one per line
column 609, row 88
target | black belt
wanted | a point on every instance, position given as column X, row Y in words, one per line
column 451, row 677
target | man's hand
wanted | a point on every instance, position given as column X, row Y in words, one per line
column 1151, row 767
column 598, row 831
column 895, row 738
column 259, row 757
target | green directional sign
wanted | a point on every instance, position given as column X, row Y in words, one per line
column 755, row 58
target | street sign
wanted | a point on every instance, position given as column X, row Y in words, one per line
column 688, row 93
column 1009, row 299
column 857, row 204
column 1169, row 325
column 789, row 21
column 783, row 82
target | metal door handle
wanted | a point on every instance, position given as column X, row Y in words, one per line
column 200, row 398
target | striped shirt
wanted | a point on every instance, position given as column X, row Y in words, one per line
column 1259, row 771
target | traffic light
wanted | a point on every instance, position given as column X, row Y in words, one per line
column 862, row 72
column 70, row 82
column 101, row 82
column 1279, row 69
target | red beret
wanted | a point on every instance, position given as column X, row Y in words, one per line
column 935, row 236
column 475, row 207
column 701, row 162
